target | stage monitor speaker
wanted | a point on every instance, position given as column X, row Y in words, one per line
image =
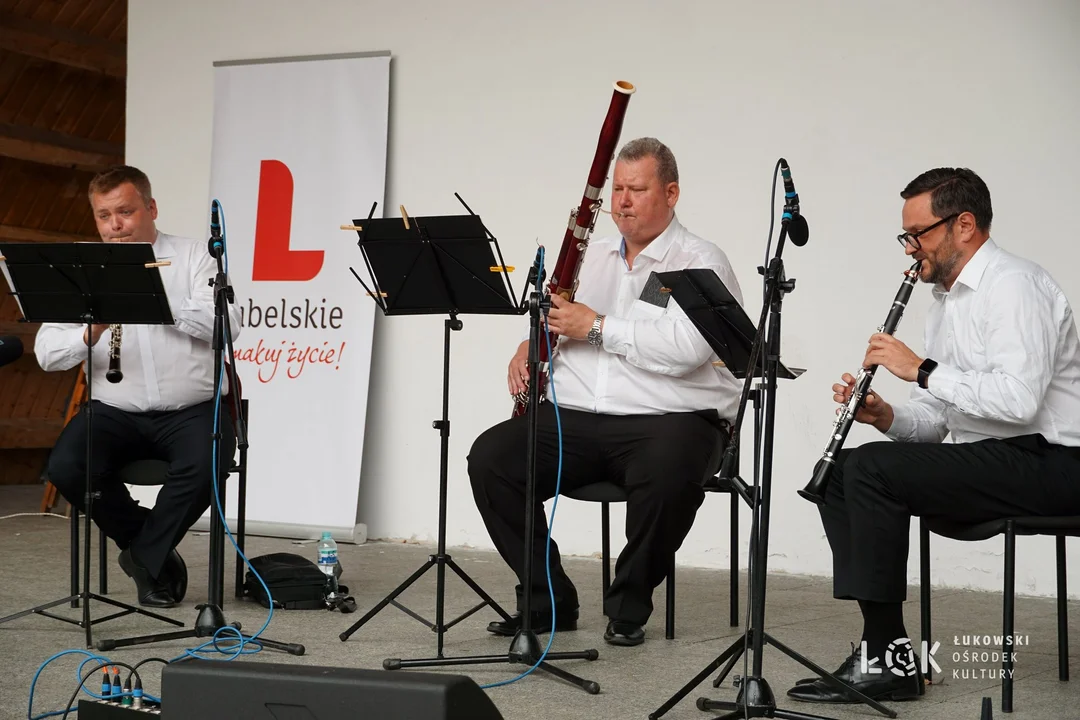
column 211, row 690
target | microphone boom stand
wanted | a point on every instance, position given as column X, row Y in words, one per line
column 755, row 697
column 211, row 618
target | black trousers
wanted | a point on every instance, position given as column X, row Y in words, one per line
column 661, row 460
column 876, row 489
column 183, row 438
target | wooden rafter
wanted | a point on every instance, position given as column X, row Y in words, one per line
column 62, row 45
column 53, row 148
column 21, row 234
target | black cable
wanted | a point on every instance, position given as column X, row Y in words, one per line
column 135, row 669
column 91, row 671
column 772, row 221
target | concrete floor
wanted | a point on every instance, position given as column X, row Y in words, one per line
column 634, row 681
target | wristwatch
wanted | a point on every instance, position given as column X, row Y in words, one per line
column 925, row 369
column 595, row 337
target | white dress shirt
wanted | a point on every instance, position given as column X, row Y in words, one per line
column 1008, row 357
column 653, row 359
column 166, row 367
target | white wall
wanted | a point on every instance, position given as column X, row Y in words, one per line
column 502, row 102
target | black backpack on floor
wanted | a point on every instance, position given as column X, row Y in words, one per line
column 295, row 583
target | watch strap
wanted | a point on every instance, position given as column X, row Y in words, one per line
column 925, row 369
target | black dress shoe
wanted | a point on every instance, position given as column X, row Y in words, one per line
column 151, row 591
column 883, row 685
column 565, row 621
column 918, row 675
column 174, row 575
column 624, row 633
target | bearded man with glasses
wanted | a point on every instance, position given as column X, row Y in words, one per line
column 991, row 430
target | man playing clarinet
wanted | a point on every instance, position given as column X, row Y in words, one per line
column 1001, row 380
column 641, row 405
column 163, row 406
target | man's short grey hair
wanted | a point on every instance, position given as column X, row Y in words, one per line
column 666, row 167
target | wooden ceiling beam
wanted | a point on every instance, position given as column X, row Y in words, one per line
column 21, row 234
column 53, row 148
column 62, row 45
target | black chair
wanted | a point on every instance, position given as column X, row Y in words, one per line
column 606, row 493
column 152, row 472
column 1060, row 527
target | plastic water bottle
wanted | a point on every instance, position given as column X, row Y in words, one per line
column 328, row 562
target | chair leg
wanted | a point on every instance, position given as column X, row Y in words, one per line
column 74, row 556
column 605, row 545
column 1007, row 630
column 734, row 598
column 669, row 625
column 924, row 592
column 1063, row 612
column 103, row 563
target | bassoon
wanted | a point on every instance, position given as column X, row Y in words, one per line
column 815, row 489
column 564, row 278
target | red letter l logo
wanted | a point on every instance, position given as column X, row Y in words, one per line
column 273, row 260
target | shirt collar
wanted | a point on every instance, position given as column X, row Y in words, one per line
column 163, row 246
column 657, row 249
column 974, row 269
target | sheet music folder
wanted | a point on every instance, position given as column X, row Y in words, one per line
column 434, row 265
column 719, row 318
column 101, row 283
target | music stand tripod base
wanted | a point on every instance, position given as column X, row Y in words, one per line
column 446, row 266
column 90, row 284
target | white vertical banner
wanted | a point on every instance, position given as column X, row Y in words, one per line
column 299, row 149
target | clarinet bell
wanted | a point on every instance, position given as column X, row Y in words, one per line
column 815, row 489
column 114, row 376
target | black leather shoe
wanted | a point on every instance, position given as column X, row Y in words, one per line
column 565, row 621
column 918, row 675
column 174, row 575
column 152, row 592
column 624, row 633
column 885, row 685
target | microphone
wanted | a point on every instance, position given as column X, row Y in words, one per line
column 216, row 246
column 11, row 349
column 798, row 230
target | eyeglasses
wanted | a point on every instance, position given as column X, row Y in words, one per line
column 913, row 238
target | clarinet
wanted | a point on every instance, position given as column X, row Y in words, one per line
column 563, row 279
column 116, row 336
column 815, row 489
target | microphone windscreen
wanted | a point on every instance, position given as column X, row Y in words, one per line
column 11, row 349
column 798, row 231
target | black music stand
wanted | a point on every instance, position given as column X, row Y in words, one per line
column 750, row 354
column 91, row 283
column 432, row 266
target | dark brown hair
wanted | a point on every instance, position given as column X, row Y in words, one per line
column 953, row 191
column 114, row 177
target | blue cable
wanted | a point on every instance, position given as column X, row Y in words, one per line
column 90, row 657
column 241, row 643
column 554, row 504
